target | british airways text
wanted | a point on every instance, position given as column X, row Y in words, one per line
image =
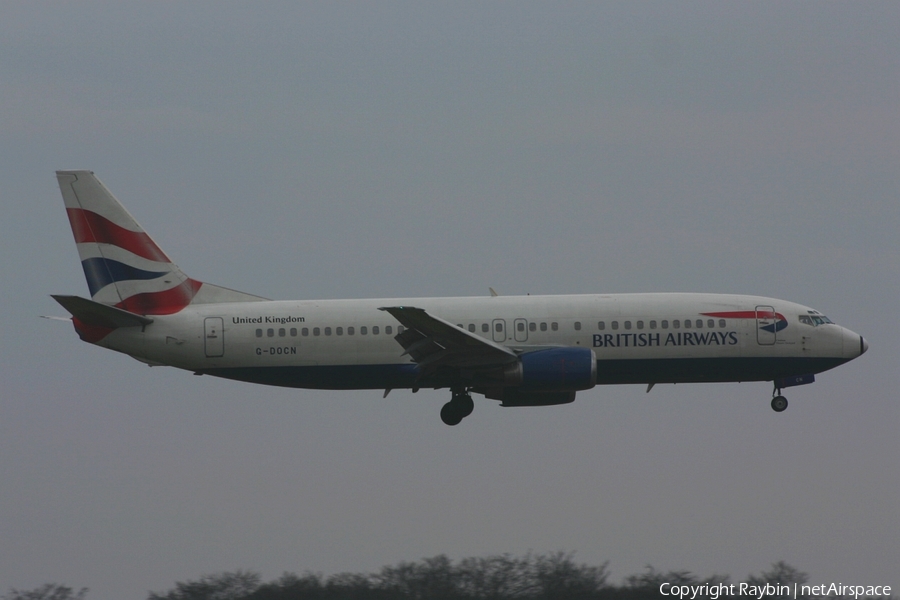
column 687, row 338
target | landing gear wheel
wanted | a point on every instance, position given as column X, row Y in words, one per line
column 450, row 414
column 465, row 404
column 459, row 407
column 779, row 403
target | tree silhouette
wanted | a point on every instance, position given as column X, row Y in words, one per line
column 495, row 577
column 558, row 577
column 48, row 591
column 781, row 572
column 553, row 576
column 223, row 586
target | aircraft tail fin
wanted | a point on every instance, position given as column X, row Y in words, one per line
column 123, row 266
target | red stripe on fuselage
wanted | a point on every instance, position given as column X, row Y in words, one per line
column 90, row 227
column 746, row 314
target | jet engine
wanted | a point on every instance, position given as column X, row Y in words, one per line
column 547, row 377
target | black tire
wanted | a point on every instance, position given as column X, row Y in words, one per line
column 464, row 404
column 450, row 414
column 779, row 403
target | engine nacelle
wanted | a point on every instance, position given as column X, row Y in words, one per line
column 553, row 370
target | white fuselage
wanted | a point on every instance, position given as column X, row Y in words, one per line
column 637, row 338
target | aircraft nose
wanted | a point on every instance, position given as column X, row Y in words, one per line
column 854, row 344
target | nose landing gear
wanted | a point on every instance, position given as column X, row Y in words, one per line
column 779, row 402
column 459, row 407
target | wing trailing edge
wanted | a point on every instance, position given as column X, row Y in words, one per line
column 432, row 342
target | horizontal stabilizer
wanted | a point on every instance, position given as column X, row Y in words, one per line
column 103, row 315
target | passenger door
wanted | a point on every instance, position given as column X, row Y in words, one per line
column 765, row 325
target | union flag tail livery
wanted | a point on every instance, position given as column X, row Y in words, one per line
column 520, row 350
column 123, row 266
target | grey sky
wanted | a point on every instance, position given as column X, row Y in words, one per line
column 408, row 149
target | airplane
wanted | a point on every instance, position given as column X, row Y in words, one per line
column 521, row 350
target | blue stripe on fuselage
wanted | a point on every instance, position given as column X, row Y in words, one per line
column 615, row 371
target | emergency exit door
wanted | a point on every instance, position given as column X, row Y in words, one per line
column 521, row 330
column 498, row 327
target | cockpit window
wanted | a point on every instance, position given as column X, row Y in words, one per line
column 815, row 320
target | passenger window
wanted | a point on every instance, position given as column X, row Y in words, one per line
column 577, row 325
column 498, row 327
column 270, row 333
column 363, row 330
column 305, row 332
column 687, row 323
column 601, row 325
column 699, row 323
column 328, row 331
column 282, row 332
column 293, row 332
column 652, row 324
column 543, row 327
column 676, row 324
column 375, row 330
column 640, row 324
column 316, row 331
column 665, row 324
column 615, row 324
column 485, row 328
column 710, row 323
column 627, row 324
column 472, row 327
column 532, row 326
column 722, row 323
column 388, row 329
column 339, row 331
column 259, row 333
column 399, row 329
column 350, row 331
column 554, row 326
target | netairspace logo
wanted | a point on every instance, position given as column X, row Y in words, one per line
column 716, row 590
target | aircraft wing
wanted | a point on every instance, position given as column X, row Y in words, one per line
column 432, row 342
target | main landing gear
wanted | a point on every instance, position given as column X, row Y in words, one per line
column 459, row 407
